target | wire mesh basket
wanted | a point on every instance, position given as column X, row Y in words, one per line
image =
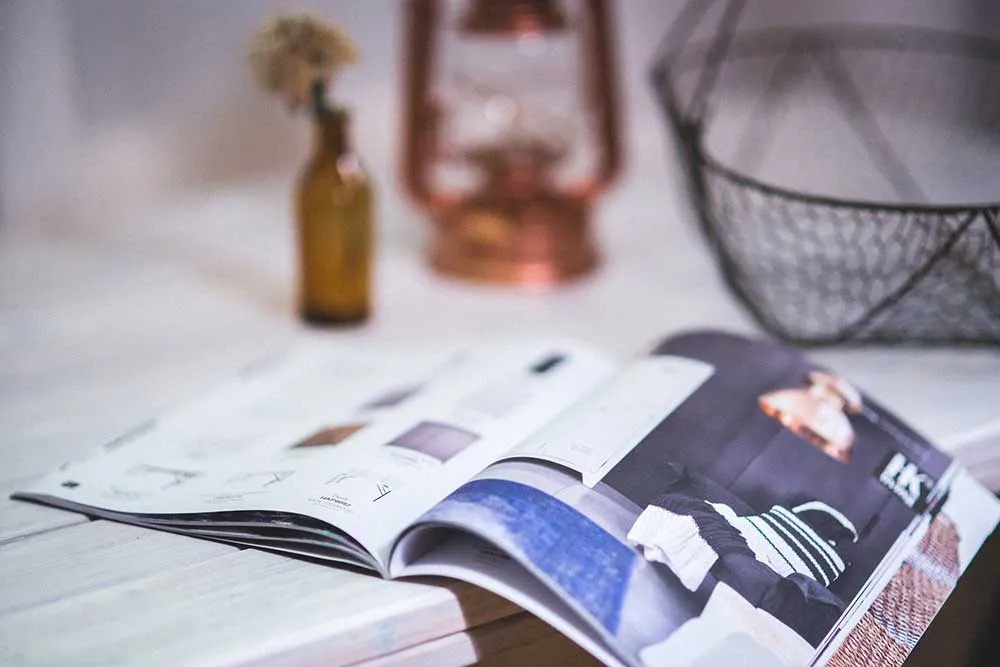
column 832, row 170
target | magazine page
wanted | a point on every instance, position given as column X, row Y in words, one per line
column 724, row 501
column 329, row 445
column 459, row 555
column 401, row 467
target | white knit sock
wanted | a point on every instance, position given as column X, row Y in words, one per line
column 673, row 539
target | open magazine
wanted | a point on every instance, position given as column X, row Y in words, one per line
column 715, row 498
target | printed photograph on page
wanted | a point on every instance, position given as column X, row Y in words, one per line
column 771, row 506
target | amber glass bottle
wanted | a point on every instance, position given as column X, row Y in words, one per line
column 335, row 227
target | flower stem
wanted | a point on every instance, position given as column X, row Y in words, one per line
column 319, row 105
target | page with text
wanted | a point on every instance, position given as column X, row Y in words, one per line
column 360, row 440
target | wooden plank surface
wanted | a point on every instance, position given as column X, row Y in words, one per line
column 19, row 519
column 242, row 606
column 521, row 639
column 62, row 564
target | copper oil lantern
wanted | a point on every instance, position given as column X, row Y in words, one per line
column 511, row 131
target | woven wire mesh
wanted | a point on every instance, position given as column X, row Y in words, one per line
column 821, row 269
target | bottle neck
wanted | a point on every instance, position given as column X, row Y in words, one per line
column 330, row 134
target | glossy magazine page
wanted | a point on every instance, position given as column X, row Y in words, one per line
column 723, row 501
column 328, row 450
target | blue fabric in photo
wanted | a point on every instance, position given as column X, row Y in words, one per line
column 582, row 558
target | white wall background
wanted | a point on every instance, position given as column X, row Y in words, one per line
column 108, row 103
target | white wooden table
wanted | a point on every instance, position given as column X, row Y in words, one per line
column 104, row 322
column 119, row 300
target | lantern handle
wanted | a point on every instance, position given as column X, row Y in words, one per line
column 601, row 92
column 421, row 117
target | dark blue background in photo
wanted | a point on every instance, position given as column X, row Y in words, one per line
column 721, row 433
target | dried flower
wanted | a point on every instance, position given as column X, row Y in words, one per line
column 296, row 55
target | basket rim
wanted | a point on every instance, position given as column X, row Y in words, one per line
column 881, row 37
column 709, row 163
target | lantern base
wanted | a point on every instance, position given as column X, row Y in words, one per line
column 524, row 243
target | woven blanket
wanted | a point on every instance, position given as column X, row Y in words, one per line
column 890, row 628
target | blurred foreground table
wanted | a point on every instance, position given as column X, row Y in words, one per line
column 110, row 316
